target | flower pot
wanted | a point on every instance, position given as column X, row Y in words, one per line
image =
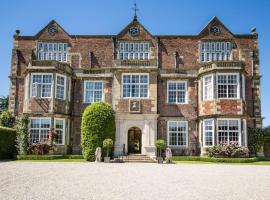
column 159, row 160
column 107, row 159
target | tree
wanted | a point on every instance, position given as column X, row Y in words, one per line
column 160, row 144
column 98, row 123
column 6, row 119
column 107, row 144
column 256, row 138
column 3, row 103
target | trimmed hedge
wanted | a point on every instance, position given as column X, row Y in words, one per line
column 7, row 142
column 48, row 157
column 98, row 123
column 219, row 160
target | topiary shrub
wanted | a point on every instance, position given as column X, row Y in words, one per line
column 98, row 123
column 7, row 142
column 22, row 137
column 160, row 144
column 6, row 119
column 231, row 150
column 108, row 144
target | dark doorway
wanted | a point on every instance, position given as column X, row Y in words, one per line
column 134, row 140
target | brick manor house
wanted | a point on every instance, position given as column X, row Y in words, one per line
column 193, row 91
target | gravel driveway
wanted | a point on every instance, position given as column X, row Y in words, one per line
column 56, row 180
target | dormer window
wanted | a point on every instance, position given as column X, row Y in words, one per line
column 52, row 51
column 215, row 51
column 134, row 50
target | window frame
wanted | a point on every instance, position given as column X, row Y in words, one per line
column 140, row 48
column 211, row 85
column 135, row 74
column 31, row 85
column 64, row 129
column 238, row 86
column 213, row 132
column 84, row 90
column 39, row 130
column 186, row 91
column 239, row 130
column 65, row 85
column 168, row 133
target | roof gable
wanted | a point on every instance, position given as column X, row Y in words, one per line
column 52, row 31
column 143, row 33
column 208, row 30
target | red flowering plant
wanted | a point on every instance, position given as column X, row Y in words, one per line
column 44, row 147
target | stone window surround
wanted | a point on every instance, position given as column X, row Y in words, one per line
column 122, row 86
column 241, row 128
column 186, row 91
column 84, row 90
column 49, row 118
column 168, row 133
column 53, row 86
column 215, row 86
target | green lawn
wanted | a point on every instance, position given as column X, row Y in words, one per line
column 54, row 160
column 222, row 163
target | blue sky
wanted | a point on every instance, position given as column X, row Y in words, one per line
column 158, row 16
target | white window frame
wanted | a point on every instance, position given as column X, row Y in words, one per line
column 212, row 87
column 128, row 54
column 213, row 52
column 31, row 84
column 186, row 91
column 213, row 132
column 39, row 118
column 135, row 74
column 84, row 91
column 168, row 133
column 239, row 130
column 238, row 85
column 58, row 54
column 65, row 85
column 64, row 129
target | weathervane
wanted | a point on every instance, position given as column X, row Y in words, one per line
column 135, row 10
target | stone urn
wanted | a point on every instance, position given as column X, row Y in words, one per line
column 159, row 160
column 107, row 159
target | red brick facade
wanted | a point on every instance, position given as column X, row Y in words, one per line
column 174, row 57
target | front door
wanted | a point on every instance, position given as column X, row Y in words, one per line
column 134, row 140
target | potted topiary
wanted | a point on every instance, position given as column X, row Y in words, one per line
column 107, row 144
column 160, row 144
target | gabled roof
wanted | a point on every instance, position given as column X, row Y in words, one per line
column 134, row 22
column 214, row 22
column 52, row 22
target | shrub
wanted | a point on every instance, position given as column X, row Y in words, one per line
column 22, row 134
column 256, row 138
column 98, row 123
column 231, row 150
column 7, row 142
column 160, row 144
column 108, row 144
column 48, row 157
column 4, row 103
column 212, row 159
column 6, row 119
column 40, row 148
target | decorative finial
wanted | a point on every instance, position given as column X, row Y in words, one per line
column 135, row 10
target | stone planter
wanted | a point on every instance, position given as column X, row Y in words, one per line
column 159, row 160
column 107, row 159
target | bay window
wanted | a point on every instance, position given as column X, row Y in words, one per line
column 52, row 51
column 93, row 91
column 134, row 50
column 41, row 85
column 177, row 92
column 177, row 133
column 60, row 87
column 215, row 51
column 208, row 87
column 59, row 128
column 228, row 86
column 228, row 131
column 208, row 132
column 39, row 129
column 135, row 85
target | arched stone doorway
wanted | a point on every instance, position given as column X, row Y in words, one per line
column 134, row 140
